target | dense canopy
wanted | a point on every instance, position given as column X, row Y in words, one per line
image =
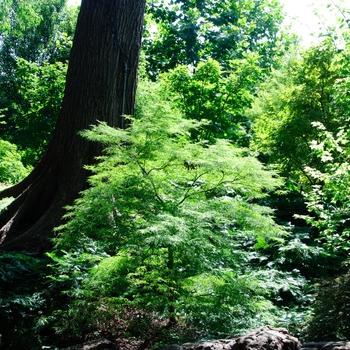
column 211, row 200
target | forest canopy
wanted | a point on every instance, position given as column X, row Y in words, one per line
column 220, row 205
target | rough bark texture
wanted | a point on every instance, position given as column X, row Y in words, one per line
column 102, row 69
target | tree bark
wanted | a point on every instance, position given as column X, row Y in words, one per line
column 100, row 86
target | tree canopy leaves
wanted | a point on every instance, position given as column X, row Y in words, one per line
column 189, row 31
column 172, row 210
column 186, row 228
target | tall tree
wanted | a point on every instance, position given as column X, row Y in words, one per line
column 301, row 93
column 220, row 96
column 100, row 85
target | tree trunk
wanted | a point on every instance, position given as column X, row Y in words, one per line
column 100, row 86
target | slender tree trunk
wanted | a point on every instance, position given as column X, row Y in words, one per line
column 100, row 86
column 172, row 285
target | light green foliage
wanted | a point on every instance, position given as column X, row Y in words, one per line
column 328, row 171
column 18, row 11
column 5, row 7
column 11, row 167
column 73, row 267
column 6, row 201
column 171, row 214
column 172, row 228
column 210, row 93
column 40, row 92
column 35, row 45
column 301, row 93
column 328, row 201
column 32, row 27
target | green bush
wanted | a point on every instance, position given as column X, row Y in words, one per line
column 331, row 318
column 169, row 235
column 21, row 299
column 11, row 168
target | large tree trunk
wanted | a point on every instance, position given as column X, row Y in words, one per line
column 100, row 86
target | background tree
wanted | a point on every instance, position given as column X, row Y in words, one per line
column 294, row 97
column 161, row 245
column 35, row 46
column 32, row 116
column 189, row 31
column 303, row 126
column 216, row 95
column 103, row 60
column 328, row 200
column 328, row 206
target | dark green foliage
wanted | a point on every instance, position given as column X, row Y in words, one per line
column 33, row 115
column 189, row 31
column 331, row 311
column 71, row 316
column 22, row 299
column 35, row 45
column 175, row 238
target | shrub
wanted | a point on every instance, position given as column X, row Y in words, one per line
column 331, row 318
column 11, row 168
